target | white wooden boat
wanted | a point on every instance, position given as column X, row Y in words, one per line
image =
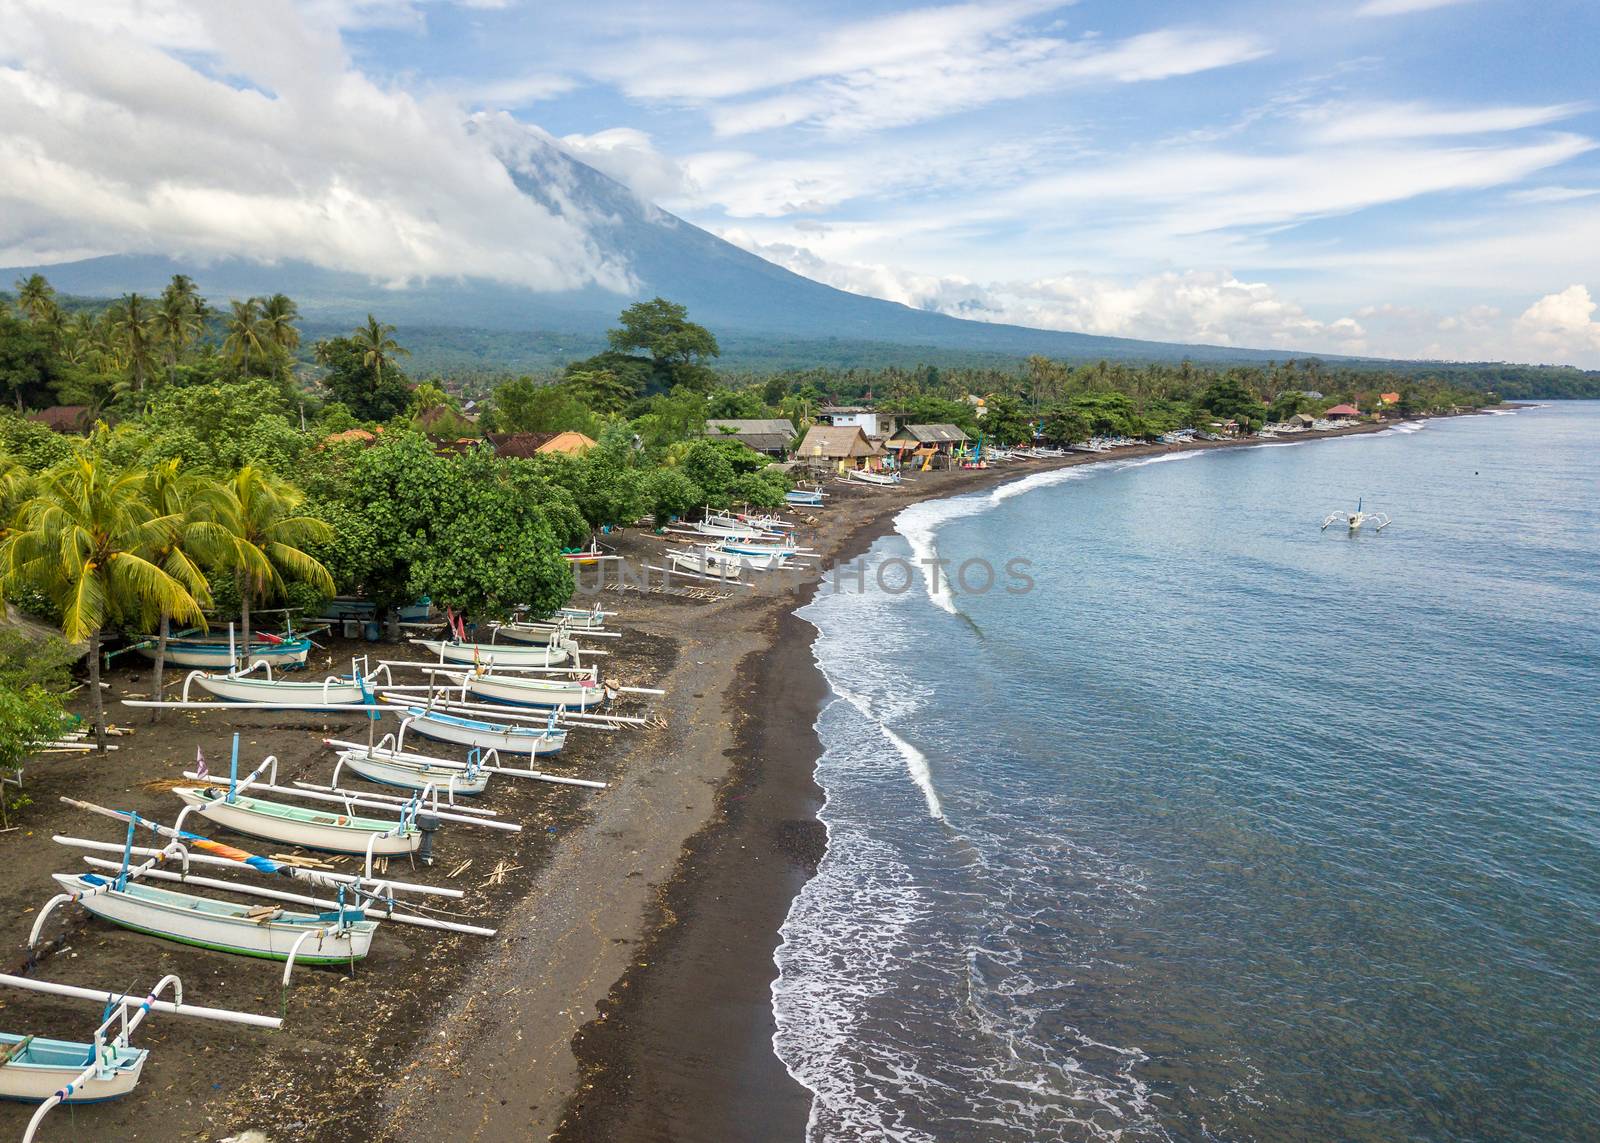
column 301, row 825
column 507, row 738
column 531, row 634
column 553, row 654
column 706, row 562
column 751, row 557
column 862, row 476
column 804, row 497
column 33, row 1069
column 574, row 694
column 412, row 772
column 219, row 655
column 337, row 937
column 730, row 531
column 579, row 619
column 241, row 687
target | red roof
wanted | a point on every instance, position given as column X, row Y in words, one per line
column 1343, row 411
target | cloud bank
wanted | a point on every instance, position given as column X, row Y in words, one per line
column 202, row 130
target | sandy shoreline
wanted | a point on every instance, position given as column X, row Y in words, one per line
column 637, row 930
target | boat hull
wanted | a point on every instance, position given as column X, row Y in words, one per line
column 311, row 829
column 342, row 691
column 712, row 566
column 486, row 735
column 506, row 654
column 220, row 925
column 536, row 692
column 47, row 1066
column 414, row 775
column 291, row 653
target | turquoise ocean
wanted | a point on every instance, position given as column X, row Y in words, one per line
column 1228, row 828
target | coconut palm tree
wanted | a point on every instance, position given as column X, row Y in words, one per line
column 245, row 337
column 178, row 321
column 204, row 514
column 267, row 538
column 85, row 539
column 35, row 297
column 278, row 315
column 377, row 347
column 138, row 332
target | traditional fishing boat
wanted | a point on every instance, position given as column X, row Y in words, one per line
column 244, row 686
column 33, row 1069
column 531, row 633
column 552, row 654
column 507, row 738
column 52, row 1072
column 1354, row 521
column 302, row 825
column 728, row 531
column 414, row 772
column 578, row 619
column 574, row 694
column 804, row 497
column 290, row 651
column 707, row 562
column 267, row 931
column 863, row 476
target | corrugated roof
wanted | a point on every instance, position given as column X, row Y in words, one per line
column 934, row 434
column 772, row 426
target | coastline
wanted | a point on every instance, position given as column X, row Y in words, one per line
column 681, row 1047
column 627, row 995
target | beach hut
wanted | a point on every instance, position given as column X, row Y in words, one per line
column 838, row 448
column 1343, row 413
column 1302, row 420
column 922, row 446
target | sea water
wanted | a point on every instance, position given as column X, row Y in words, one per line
column 1229, row 828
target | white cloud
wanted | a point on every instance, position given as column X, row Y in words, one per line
column 629, row 156
column 894, row 70
column 1402, row 7
column 1562, row 322
column 1368, row 123
column 1541, row 195
column 205, row 130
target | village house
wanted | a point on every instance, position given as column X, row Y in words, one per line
column 925, row 446
column 876, row 425
column 1343, row 413
column 770, row 436
column 839, row 448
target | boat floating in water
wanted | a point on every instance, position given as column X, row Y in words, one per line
column 1355, row 521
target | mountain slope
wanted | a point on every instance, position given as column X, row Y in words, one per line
column 726, row 288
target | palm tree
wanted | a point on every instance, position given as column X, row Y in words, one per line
column 278, row 315
column 203, row 514
column 267, row 539
column 178, row 321
column 377, row 347
column 245, row 335
column 84, row 539
column 35, row 296
column 137, row 332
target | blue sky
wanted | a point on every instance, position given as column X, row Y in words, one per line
column 1408, row 177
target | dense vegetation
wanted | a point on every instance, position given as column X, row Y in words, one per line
column 213, row 461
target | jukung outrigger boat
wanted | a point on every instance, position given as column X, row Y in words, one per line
column 1355, row 520
column 34, row 1069
column 555, row 653
column 219, row 654
column 266, row 690
column 268, row 931
column 509, row 738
